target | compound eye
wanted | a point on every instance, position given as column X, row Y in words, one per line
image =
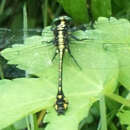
column 57, row 22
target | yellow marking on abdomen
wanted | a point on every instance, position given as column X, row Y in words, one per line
column 56, row 107
column 59, row 88
column 59, row 96
column 61, row 41
column 65, row 105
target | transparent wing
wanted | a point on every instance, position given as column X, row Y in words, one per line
column 9, row 37
column 22, row 42
column 122, row 52
column 101, row 47
column 5, row 35
column 106, row 46
column 89, row 53
column 33, row 56
column 99, row 55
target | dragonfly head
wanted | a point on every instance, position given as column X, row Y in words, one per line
column 57, row 21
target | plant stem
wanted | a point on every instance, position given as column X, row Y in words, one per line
column 33, row 121
column 103, row 113
column 2, row 5
column 27, row 123
column 118, row 99
column 25, row 21
column 44, row 12
column 1, row 72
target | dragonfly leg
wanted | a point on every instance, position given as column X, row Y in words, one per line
column 54, row 56
column 48, row 42
column 75, row 38
column 92, row 24
column 81, row 27
column 69, row 51
column 53, row 28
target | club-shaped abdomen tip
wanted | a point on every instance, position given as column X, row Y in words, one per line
column 61, row 105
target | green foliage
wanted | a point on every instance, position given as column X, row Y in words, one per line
column 11, row 12
column 104, row 10
column 103, row 57
column 77, row 7
column 124, row 117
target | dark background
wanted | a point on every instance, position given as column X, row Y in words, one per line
column 41, row 12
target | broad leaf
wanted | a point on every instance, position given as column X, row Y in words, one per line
column 22, row 96
column 101, row 61
column 74, row 7
column 124, row 115
column 104, row 10
column 115, row 34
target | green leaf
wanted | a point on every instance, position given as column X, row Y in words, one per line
column 124, row 117
column 122, row 4
column 128, row 128
column 74, row 7
column 100, row 59
column 104, row 10
column 22, row 96
column 21, row 124
column 115, row 34
column 115, row 55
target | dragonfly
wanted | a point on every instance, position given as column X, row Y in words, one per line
column 102, row 48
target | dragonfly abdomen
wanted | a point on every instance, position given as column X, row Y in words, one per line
column 60, row 36
column 61, row 33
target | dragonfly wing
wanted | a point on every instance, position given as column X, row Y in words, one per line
column 93, row 56
column 9, row 37
column 5, row 35
column 34, row 57
column 100, row 54
column 111, row 37
column 122, row 52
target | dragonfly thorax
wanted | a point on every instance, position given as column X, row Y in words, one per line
column 61, row 26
